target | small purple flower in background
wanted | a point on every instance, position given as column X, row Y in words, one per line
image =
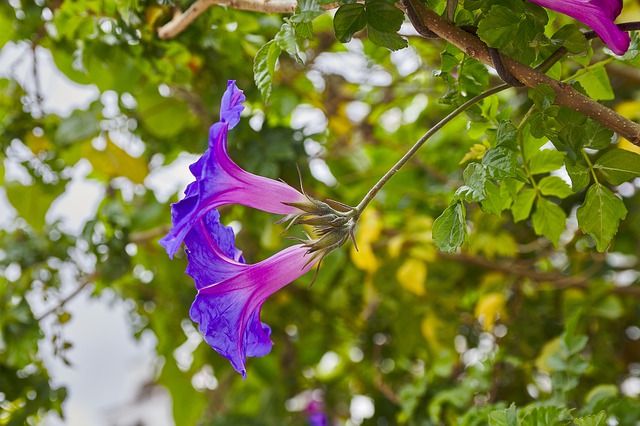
column 231, row 292
column 315, row 414
column 597, row 14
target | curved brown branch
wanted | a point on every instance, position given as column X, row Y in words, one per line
column 181, row 21
column 566, row 95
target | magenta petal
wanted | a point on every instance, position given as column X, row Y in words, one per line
column 213, row 256
column 229, row 311
column 220, row 181
column 219, row 317
column 597, row 14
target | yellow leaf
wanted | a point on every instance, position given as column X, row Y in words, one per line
column 365, row 258
column 412, row 275
column 625, row 144
column 551, row 347
column 37, row 143
column 489, row 308
column 394, row 245
column 424, row 252
column 476, row 152
column 429, row 327
column 369, row 227
column 115, row 162
column 630, row 110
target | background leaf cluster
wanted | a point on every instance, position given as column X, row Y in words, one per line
column 496, row 281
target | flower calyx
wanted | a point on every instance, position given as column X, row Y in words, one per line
column 332, row 227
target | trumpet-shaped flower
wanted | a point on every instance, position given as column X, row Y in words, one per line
column 220, row 181
column 230, row 292
column 597, row 14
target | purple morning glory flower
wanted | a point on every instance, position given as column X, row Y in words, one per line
column 597, row 14
column 230, row 292
column 220, row 181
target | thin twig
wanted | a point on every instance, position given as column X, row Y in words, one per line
column 181, row 21
column 88, row 279
column 36, row 81
column 407, row 156
column 145, row 236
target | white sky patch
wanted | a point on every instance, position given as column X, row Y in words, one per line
column 406, row 61
column 309, row 119
column 415, row 108
column 353, row 65
column 79, row 202
column 320, row 170
column 328, row 363
column 60, row 94
column 165, row 181
column 357, row 111
column 361, row 408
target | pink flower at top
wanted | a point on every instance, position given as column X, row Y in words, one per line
column 597, row 14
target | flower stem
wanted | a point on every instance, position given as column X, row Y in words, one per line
column 406, row 157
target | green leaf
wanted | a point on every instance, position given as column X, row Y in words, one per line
column 595, row 81
column 600, row 215
column 596, row 136
column 507, row 135
column 545, row 416
column 579, row 173
column 309, row 10
column 7, row 29
column 499, row 26
column 449, row 229
column 506, row 417
column 610, row 307
column 79, row 126
column 543, row 97
column 304, row 30
column 493, row 202
column 383, row 15
column 618, row 165
column 501, row 163
column 554, row 186
column 32, row 202
column 389, row 40
column 523, row 203
column 572, row 342
column 286, row 40
column 548, row 220
column 349, row 19
column 571, row 38
column 599, row 419
column 474, row 177
column 510, row 30
column 546, row 161
column 163, row 117
column 264, row 66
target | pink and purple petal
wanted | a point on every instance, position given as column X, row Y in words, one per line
column 228, row 312
column 220, row 181
column 597, row 14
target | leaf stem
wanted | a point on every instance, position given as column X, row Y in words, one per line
column 590, row 164
column 410, row 153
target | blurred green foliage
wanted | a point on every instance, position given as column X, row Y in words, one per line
column 490, row 287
